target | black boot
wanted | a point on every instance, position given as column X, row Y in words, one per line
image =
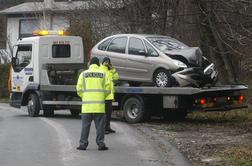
column 81, row 147
column 110, row 130
column 103, row 148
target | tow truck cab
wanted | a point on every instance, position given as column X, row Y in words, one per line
column 50, row 59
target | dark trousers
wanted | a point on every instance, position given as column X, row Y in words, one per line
column 108, row 109
column 99, row 120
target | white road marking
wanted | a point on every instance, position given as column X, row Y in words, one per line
column 66, row 145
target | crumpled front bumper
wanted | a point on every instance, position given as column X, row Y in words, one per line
column 196, row 76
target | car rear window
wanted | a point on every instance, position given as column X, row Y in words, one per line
column 61, row 50
column 118, row 45
column 104, row 44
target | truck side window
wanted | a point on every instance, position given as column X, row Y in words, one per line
column 61, row 50
column 23, row 57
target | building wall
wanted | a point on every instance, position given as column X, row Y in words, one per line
column 12, row 31
column 48, row 22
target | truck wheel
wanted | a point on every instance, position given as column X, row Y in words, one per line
column 48, row 112
column 75, row 112
column 33, row 105
column 162, row 78
column 133, row 110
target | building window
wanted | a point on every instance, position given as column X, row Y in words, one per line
column 27, row 26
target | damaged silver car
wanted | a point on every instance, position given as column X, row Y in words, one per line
column 160, row 60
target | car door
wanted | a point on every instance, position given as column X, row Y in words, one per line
column 116, row 52
column 138, row 63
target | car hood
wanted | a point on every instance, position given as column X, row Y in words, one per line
column 193, row 55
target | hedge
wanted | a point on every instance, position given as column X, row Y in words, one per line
column 4, row 76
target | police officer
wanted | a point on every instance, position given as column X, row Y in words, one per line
column 112, row 76
column 93, row 87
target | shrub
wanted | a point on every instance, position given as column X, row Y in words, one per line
column 4, row 76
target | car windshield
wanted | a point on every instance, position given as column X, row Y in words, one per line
column 166, row 43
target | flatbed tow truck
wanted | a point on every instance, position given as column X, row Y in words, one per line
column 45, row 70
column 140, row 103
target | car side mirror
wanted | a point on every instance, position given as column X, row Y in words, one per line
column 142, row 52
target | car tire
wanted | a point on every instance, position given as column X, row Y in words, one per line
column 162, row 78
column 33, row 105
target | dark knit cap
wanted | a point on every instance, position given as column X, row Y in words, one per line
column 95, row 60
column 106, row 59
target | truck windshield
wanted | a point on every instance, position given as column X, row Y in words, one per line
column 23, row 57
column 166, row 43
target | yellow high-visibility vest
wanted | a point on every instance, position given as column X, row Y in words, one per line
column 112, row 76
column 93, row 87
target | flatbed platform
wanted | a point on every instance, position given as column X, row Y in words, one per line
column 154, row 90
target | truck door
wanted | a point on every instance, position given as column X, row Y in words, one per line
column 22, row 67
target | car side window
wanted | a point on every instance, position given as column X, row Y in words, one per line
column 118, row 45
column 150, row 50
column 104, row 44
column 136, row 46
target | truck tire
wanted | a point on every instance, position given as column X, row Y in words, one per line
column 162, row 78
column 33, row 105
column 48, row 112
column 75, row 112
column 133, row 110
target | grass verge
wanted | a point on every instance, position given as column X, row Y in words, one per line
column 241, row 155
column 4, row 100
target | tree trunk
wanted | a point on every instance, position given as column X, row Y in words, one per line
column 213, row 35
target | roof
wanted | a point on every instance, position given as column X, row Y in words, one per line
column 141, row 35
column 36, row 7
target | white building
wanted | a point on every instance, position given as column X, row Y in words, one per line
column 23, row 19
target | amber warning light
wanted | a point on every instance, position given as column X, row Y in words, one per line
column 50, row 32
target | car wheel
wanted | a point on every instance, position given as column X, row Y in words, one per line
column 162, row 78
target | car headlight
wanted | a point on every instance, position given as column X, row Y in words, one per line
column 179, row 63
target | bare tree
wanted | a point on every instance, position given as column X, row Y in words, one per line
column 226, row 30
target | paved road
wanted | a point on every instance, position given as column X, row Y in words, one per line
column 26, row 141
